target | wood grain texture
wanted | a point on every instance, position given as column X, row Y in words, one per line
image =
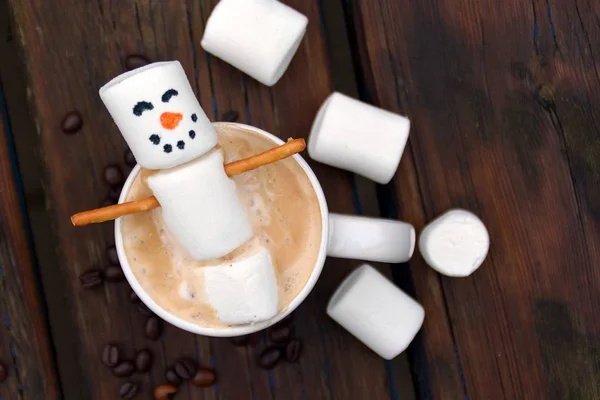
column 503, row 101
column 89, row 42
column 25, row 345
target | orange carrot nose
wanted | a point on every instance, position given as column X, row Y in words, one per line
column 170, row 120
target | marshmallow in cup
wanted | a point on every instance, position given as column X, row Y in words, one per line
column 258, row 37
column 376, row 312
column 358, row 137
column 355, row 245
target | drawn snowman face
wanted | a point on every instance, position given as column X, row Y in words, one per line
column 159, row 115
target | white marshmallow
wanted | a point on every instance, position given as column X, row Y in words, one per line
column 156, row 111
column 358, row 137
column 371, row 239
column 455, row 243
column 201, row 208
column 243, row 291
column 376, row 312
column 258, row 37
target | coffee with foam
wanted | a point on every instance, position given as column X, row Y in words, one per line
column 286, row 218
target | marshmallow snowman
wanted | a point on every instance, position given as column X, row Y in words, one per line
column 161, row 120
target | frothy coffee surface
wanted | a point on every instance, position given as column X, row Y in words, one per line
column 285, row 215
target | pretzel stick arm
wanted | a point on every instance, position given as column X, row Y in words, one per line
column 104, row 214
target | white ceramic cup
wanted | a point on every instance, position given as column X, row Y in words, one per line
column 346, row 241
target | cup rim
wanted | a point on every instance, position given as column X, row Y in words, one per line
column 229, row 331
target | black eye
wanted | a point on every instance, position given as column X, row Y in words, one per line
column 154, row 138
column 194, row 117
column 167, row 148
column 192, row 134
column 142, row 106
column 181, row 145
column 168, row 94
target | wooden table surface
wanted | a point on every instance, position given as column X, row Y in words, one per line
column 503, row 98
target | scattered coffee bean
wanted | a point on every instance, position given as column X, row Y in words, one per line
column 110, row 355
column 239, row 340
column 230, row 116
column 185, row 368
column 113, row 175
column 129, row 159
column 71, row 123
column 114, row 193
column 280, row 334
column 205, row 377
column 124, row 369
column 135, row 61
column 269, row 357
column 144, row 310
column 114, row 274
column 133, row 297
column 143, row 360
column 153, row 327
column 111, row 253
column 172, row 377
column 128, row 390
column 3, row 373
column 91, row 279
column 163, row 392
column 293, row 350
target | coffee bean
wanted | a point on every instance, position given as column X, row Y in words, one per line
column 114, row 274
column 110, row 355
column 239, row 340
column 172, row 377
column 269, row 357
column 124, row 369
column 185, row 368
column 230, row 116
column 129, row 159
column 153, row 327
column 144, row 310
column 71, row 123
column 113, row 175
column 111, row 254
column 3, row 373
column 205, row 377
column 135, row 61
column 133, row 297
column 280, row 334
column 143, row 361
column 293, row 350
column 114, row 193
column 163, row 392
column 91, row 279
column 128, row 390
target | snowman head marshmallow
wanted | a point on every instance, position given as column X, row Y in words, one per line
column 159, row 116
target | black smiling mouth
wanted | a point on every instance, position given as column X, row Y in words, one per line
column 167, row 147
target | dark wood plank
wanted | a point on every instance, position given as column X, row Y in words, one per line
column 94, row 38
column 501, row 97
column 25, row 346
